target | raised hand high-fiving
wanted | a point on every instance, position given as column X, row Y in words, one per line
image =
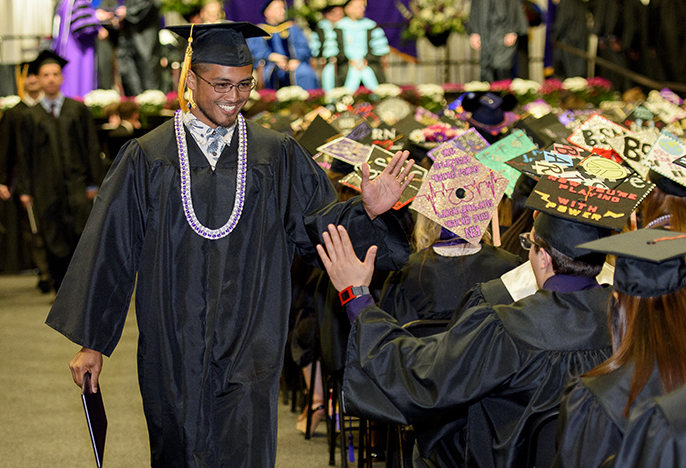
column 379, row 195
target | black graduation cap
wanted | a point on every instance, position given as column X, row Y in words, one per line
column 669, row 186
column 220, row 43
column 650, row 262
column 565, row 236
column 46, row 57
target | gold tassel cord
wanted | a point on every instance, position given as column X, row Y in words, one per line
column 20, row 74
column 183, row 104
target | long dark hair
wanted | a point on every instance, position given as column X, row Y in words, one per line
column 648, row 332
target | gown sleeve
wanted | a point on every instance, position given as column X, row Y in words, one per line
column 309, row 203
column 394, row 377
column 394, row 301
column 109, row 250
column 586, row 434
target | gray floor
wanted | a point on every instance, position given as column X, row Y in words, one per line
column 41, row 417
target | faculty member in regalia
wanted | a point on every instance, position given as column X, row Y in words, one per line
column 205, row 214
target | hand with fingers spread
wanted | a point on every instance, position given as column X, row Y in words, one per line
column 341, row 262
column 380, row 194
column 86, row 360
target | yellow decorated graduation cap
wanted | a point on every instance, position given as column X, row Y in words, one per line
column 650, row 262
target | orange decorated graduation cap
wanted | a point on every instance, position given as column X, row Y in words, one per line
column 218, row 43
column 46, row 57
column 650, row 262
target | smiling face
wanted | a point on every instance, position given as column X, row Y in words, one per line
column 218, row 109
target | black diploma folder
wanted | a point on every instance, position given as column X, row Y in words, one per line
column 95, row 417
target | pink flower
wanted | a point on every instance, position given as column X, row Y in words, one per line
column 453, row 87
column 599, row 82
column 502, row 85
column 315, row 94
column 267, row 95
column 550, row 86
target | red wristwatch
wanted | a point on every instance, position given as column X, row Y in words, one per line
column 351, row 292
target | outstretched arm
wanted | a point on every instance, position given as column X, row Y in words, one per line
column 340, row 261
column 380, row 194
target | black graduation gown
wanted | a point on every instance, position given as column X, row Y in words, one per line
column 60, row 159
column 571, row 28
column 656, row 437
column 212, row 315
column 592, row 424
column 431, row 287
column 485, row 376
column 9, row 149
column 492, row 20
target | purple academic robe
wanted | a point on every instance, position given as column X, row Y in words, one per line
column 76, row 29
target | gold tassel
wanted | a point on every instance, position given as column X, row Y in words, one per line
column 20, row 75
column 184, row 74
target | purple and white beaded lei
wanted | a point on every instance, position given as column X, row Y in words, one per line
column 187, row 200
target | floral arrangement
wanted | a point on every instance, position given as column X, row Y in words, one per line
column 291, row 93
column 434, row 17
column 387, row 90
column 434, row 134
column 9, row 102
column 98, row 99
column 151, row 102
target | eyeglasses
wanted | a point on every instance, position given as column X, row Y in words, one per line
column 525, row 240
column 222, row 88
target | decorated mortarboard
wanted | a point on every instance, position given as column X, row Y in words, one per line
column 278, row 121
column 663, row 108
column 642, row 117
column 633, row 147
column 471, row 142
column 377, row 162
column 589, row 204
column 433, row 135
column 650, row 262
column 392, row 110
column 487, row 111
column 347, row 150
column 387, row 137
column 497, row 155
column 346, row 121
column 666, row 157
column 323, row 160
column 425, row 116
column 460, row 193
column 558, row 160
column 407, row 125
column 219, row 43
column 594, row 133
column 318, row 133
column 361, row 133
column 545, row 130
column 47, row 57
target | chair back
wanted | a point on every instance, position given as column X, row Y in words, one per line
column 541, row 447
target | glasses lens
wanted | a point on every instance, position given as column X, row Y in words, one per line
column 222, row 87
column 525, row 240
column 245, row 86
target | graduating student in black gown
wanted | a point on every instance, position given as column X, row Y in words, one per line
column 648, row 340
column 440, row 273
column 656, row 437
column 212, row 312
column 60, row 167
column 470, row 391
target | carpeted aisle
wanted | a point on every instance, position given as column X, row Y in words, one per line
column 41, row 416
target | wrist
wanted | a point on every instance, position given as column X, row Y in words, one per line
column 351, row 292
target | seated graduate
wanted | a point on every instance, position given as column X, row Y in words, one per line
column 656, row 437
column 665, row 206
column 442, row 270
column 470, row 392
column 286, row 54
column 648, row 328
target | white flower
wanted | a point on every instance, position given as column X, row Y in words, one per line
column 101, row 98
column 575, row 84
column 426, row 14
column 417, row 136
column 291, row 93
column 432, row 91
column 337, row 94
column 477, row 86
column 152, row 97
column 9, row 102
column 255, row 95
column 387, row 90
column 340, row 107
column 520, row 86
